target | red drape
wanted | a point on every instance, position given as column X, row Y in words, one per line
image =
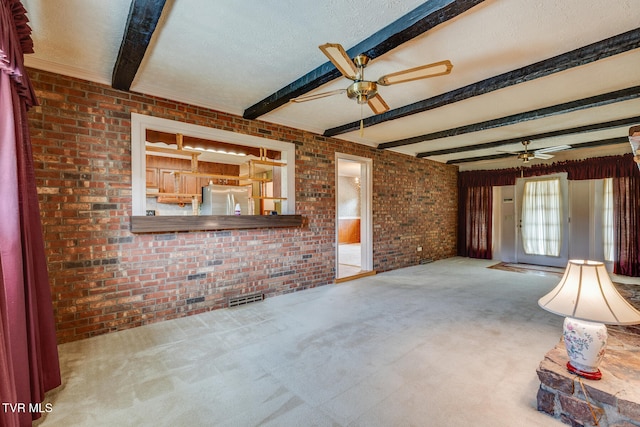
column 595, row 168
column 475, row 231
column 626, row 204
column 28, row 353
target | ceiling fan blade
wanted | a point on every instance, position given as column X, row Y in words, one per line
column 377, row 104
column 554, row 149
column 425, row 71
column 305, row 98
column 338, row 56
column 542, row 156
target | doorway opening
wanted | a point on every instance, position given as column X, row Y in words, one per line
column 354, row 248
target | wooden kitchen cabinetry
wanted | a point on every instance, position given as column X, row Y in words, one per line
column 173, row 181
column 152, row 177
column 178, row 175
column 349, row 230
column 266, row 178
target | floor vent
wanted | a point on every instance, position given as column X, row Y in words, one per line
column 245, row 299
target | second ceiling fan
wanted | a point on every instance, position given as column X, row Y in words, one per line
column 366, row 91
column 541, row 153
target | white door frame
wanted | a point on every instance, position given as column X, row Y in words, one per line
column 366, row 203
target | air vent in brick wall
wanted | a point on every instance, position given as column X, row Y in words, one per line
column 245, row 299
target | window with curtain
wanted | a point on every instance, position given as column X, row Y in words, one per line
column 607, row 219
column 541, row 217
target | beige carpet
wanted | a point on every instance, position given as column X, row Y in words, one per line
column 451, row 343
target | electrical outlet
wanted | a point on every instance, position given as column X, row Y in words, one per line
column 419, row 248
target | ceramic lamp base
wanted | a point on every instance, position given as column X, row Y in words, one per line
column 585, row 343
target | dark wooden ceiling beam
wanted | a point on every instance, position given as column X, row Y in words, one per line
column 141, row 23
column 591, row 144
column 480, row 158
column 605, row 48
column 567, row 107
column 570, row 131
column 411, row 25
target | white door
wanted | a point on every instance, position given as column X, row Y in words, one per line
column 354, row 230
column 542, row 210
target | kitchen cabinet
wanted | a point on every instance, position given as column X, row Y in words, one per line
column 177, row 175
column 349, row 230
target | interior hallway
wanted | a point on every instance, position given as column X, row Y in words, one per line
column 349, row 260
column 451, row 343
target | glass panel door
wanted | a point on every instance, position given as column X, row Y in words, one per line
column 543, row 220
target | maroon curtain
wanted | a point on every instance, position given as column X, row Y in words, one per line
column 475, row 225
column 595, row 168
column 28, row 353
column 626, row 220
column 472, row 220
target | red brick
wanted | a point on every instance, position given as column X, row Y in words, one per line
column 81, row 144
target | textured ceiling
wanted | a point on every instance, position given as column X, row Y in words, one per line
column 230, row 55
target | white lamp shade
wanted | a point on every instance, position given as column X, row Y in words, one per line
column 585, row 292
column 634, row 139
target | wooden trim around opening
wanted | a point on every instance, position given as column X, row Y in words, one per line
column 165, row 224
column 355, row 276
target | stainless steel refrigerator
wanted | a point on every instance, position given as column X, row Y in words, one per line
column 223, row 199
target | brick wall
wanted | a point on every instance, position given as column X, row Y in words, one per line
column 104, row 278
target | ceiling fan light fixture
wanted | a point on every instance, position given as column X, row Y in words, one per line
column 362, row 91
column 524, row 157
column 540, row 154
column 361, row 60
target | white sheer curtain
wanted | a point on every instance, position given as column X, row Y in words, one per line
column 607, row 219
column 541, row 217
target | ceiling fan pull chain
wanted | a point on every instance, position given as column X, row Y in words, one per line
column 361, row 121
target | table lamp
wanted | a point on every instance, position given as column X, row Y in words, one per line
column 588, row 299
column 634, row 139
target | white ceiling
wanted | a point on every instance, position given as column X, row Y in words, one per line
column 230, row 55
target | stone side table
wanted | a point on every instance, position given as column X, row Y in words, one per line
column 613, row 401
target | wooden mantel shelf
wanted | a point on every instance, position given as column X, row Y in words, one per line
column 167, row 224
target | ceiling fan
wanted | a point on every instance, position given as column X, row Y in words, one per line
column 366, row 91
column 542, row 153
